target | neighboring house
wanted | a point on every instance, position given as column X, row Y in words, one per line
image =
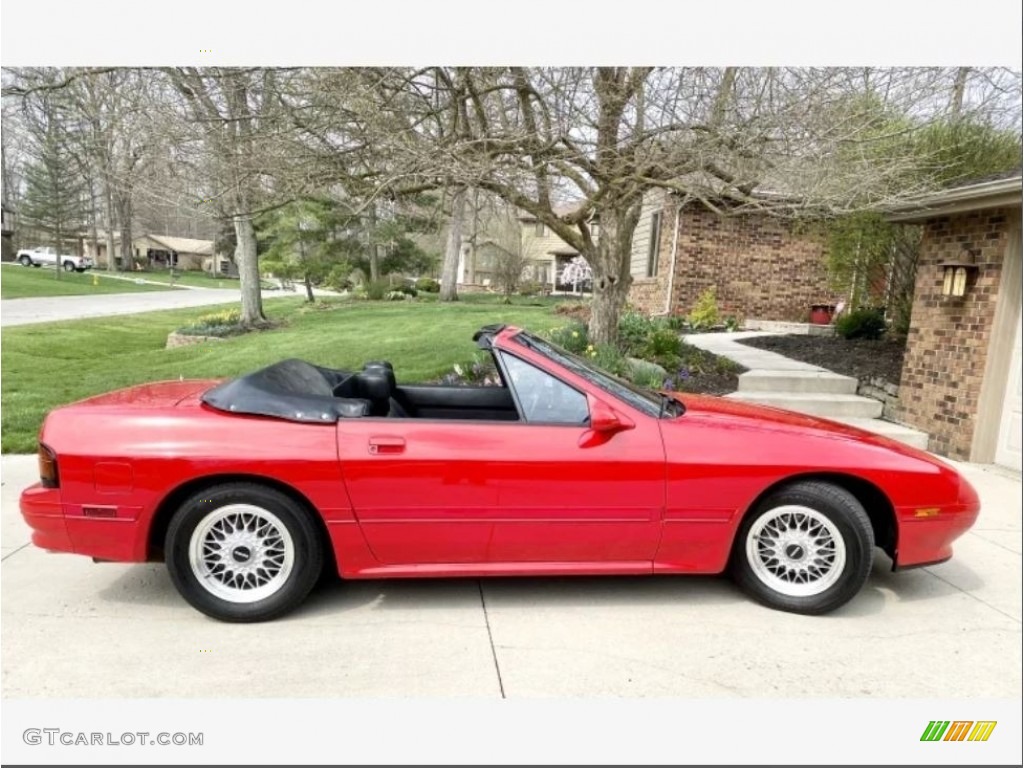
column 159, row 252
column 760, row 266
column 547, row 252
column 961, row 378
column 544, row 253
column 7, row 234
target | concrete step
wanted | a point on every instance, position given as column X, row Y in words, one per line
column 797, row 381
column 831, row 406
column 903, row 434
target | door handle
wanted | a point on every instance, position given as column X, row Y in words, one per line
column 386, row 444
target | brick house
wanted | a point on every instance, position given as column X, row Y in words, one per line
column 961, row 379
column 761, row 266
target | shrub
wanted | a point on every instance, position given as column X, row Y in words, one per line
column 663, row 347
column 572, row 337
column 864, row 323
column 223, row 323
column 704, row 314
column 339, row 278
column 609, row 358
column 428, row 285
column 479, row 371
column 634, row 332
column 577, row 310
column 530, row 288
column 377, row 289
column 732, row 323
column 357, row 277
column 648, row 377
column 678, row 323
column 397, row 296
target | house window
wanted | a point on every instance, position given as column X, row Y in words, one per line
column 539, row 230
column 653, row 245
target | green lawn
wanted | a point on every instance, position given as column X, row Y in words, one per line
column 17, row 282
column 54, row 363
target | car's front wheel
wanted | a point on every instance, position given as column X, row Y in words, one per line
column 243, row 552
column 806, row 548
column 25, row 261
column 69, row 266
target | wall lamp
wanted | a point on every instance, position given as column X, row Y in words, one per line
column 956, row 274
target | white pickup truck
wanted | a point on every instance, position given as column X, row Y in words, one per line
column 37, row 257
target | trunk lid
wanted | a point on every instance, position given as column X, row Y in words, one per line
column 159, row 394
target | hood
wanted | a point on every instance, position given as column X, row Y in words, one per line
column 160, row 394
column 729, row 412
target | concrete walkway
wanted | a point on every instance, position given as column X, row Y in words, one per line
column 781, row 382
column 72, row 628
column 727, row 345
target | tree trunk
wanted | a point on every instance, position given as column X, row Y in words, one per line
column 108, row 203
column 956, row 100
column 373, row 253
column 93, row 233
column 309, row 289
column 124, row 216
column 248, row 272
column 611, row 278
column 473, row 239
column 450, row 267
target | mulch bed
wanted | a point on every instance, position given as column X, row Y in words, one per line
column 709, row 383
column 854, row 357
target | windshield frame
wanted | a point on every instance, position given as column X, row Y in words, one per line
column 647, row 401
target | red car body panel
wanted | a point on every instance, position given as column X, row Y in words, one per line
column 420, row 497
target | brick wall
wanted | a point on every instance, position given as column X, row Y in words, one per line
column 759, row 266
column 948, row 340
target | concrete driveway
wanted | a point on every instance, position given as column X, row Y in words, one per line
column 72, row 628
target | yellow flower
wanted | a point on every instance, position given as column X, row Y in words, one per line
column 575, row 334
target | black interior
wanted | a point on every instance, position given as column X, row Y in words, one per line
column 300, row 391
column 437, row 402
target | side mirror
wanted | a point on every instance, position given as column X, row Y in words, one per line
column 604, row 421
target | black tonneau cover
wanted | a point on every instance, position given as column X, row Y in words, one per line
column 291, row 389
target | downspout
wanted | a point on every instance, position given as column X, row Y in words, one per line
column 672, row 266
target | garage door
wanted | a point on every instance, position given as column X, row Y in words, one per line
column 1008, row 451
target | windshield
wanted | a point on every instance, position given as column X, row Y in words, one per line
column 645, row 400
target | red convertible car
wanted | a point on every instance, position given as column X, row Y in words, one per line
column 249, row 488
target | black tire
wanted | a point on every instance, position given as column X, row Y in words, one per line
column 69, row 266
column 751, row 556
column 25, row 261
column 307, row 554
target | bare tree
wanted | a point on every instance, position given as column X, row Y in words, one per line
column 235, row 112
column 785, row 142
column 453, row 248
column 509, row 246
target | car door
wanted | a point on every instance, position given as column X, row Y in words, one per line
column 577, row 496
column 544, row 490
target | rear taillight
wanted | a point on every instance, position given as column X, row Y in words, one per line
column 48, row 467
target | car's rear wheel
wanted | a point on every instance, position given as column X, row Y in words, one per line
column 25, row 261
column 69, row 266
column 243, row 552
column 806, row 548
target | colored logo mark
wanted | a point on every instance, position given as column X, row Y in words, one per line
column 958, row 730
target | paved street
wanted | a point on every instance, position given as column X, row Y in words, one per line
column 72, row 628
column 49, row 308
